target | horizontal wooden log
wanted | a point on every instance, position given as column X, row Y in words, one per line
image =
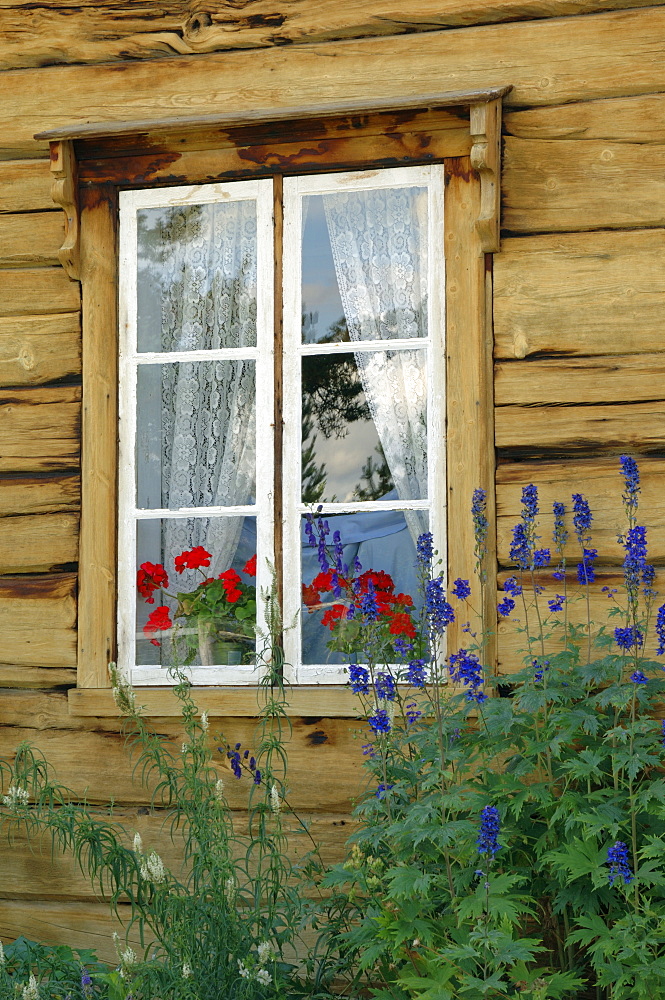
column 580, row 293
column 622, row 54
column 621, row 378
column 564, row 185
column 42, row 678
column 77, row 924
column 101, row 32
column 38, row 543
column 31, row 238
column 600, row 481
column 28, row 291
column 37, row 349
column 621, row 119
column 38, row 619
column 25, row 186
column 39, row 494
column 39, row 429
column 539, row 429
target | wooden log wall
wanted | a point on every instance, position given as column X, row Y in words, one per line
column 579, row 289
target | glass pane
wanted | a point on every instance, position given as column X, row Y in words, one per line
column 199, row 574
column 196, row 434
column 364, row 265
column 196, row 283
column 374, row 542
column 364, row 426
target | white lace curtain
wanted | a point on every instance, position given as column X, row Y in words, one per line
column 379, row 246
column 208, row 408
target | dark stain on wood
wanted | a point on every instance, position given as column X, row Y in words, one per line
column 52, row 587
column 317, row 738
column 311, row 720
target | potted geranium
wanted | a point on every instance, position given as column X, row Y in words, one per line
column 216, row 619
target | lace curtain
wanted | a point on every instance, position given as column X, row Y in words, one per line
column 208, row 408
column 379, row 246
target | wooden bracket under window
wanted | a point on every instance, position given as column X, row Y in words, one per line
column 485, row 121
column 65, row 194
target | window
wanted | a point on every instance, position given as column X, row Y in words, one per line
column 362, row 403
column 271, row 341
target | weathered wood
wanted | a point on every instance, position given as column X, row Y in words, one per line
column 97, row 577
column 622, row 119
column 38, row 619
column 37, row 543
column 39, row 494
column 101, row 32
column 621, row 378
column 538, row 429
column 77, row 924
column 65, row 193
column 28, row 291
column 36, row 349
column 39, row 429
column 580, row 293
column 622, row 54
column 563, row 185
column 600, row 481
column 42, row 678
column 25, row 186
column 30, row 238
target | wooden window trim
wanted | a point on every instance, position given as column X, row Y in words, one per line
column 92, row 162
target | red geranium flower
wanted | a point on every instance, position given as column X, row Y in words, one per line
column 333, row 614
column 230, row 579
column 310, row 596
column 233, row 595
column 158, row 621
column 192, row 560
column 405, row 600
column 323, row 581
column 250, row 566
column 151, row 576
column 379, row 580
column 401, row 624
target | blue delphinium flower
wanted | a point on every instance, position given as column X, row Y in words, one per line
column 560, row 536
column 617, row 859
column 369, row 751
column 384, row 685
column 86, row 983
column 636, row 569
column 439, row 612
column 368, row 604
column 416, row 675
column 585, row 569
column 582, row 518
column 489, row 830
column 340, row 565
column 638, row 677
column 466, row 668
column 541, row 558
column 234, row 760
column 529, row 504
column 358, row 679
column 461, row 589
column 382, row 789
column 631, row 475
column 380, row 721
column 520, row 549
column 401, row 646
column 628, row 638
column 506, row 606
column 425, row 548
column 257, row 777
column 540, row 670
column 413, row 713
column 660, row 630
column 512, row 586
column 557, row 602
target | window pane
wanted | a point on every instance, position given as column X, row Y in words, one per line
column 213, row 622
column 364, row 426
column 364, row 265
column 197, row 277
column 380, row 541
column 196, row 434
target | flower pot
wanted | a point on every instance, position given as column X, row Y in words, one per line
column 216, row 651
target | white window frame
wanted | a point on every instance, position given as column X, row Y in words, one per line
column 432, row 177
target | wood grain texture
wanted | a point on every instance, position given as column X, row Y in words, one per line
column 37, row 349
column 39, row 429
column 622, row 54
column 77, row 924
column 39, row 494
column 539, row 429
column 38, row 543
column 600, row 481
column 622, row 119
column 101, row 32
column 38, row 620
column 25, row 186
column 621, row 378
column 580, row 293
column 42, row 678
column 29, row 291
column 564, row 185
column 30, row 238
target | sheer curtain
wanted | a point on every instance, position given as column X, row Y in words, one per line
column 208, row 408
column 379, row 246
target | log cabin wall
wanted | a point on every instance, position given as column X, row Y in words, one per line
column 579, row 286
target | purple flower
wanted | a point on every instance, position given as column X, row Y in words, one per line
column 380, row 721
column 461, row 589
column 617, row 859
column 416, row 675
column 505, row 607
column 234, row 759
column 382, row 789
column 358, row 679
column 368, row 605
column 540, row 670
column 368, row 750
column 512, row 587
column 520, row 549
column 558, row 574
column 638, row 677
column 660, row 630
column 585, row 571
column 582, row 518
column 439, row 612
column 489, row 830
column 384, row 685
column 560, row 536
column 541, row 558
column 628, row 638
column 400, row 645
column 529, row 504
column 631, row 475
column 557, row 602
column 466, row 668
column 425, row 548
column 412, row 713
column 635, row 566
column 257, row 777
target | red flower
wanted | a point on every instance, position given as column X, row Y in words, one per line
column 379, row 580
column 333, row 614
column 250, row 566
column 405, row 600
column 158, row 621
column 192, row 560
column 401, row 624
column 230, row 579
column 233, row 595
column 310, row 596
column 323, row 582
column 151, row 576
